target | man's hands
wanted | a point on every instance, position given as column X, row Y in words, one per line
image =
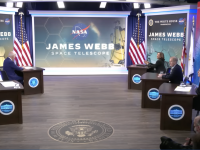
column 187, row 142
column 160, row 75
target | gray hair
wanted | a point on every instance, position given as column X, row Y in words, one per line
column 12, row 53
column 198, row 120
column 174, row 59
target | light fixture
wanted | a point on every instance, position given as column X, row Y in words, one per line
column 147, row 5
column 61, row 4
column 19, row 4
column 136, row 5
column 9, row 4
column 103, row 5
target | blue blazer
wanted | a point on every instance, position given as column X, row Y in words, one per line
column 9, row 67
column 176, row 75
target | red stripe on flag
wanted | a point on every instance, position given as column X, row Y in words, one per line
column 138, row 57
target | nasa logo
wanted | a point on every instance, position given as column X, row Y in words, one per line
column 176, row 112
column 150, row 22
column 153, row 94
column 33, row 82
column 7, row 21
column 80, row 31
column 136, row 79
column 7, row 107
column 181, row 21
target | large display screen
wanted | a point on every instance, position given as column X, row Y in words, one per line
column 165, row 34
column 6, row 36
column 79, row 41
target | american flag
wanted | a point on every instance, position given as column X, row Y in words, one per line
column 22, row 50
column 137, row 50
column 184, row 54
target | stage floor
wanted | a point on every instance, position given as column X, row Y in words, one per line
column 101, row 98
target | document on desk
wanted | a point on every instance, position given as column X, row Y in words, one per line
column 183, row 89
column 8, row 84
column 28, row 67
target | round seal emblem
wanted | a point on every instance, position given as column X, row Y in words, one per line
column 33, row 82
column 7, row 107
column 136, row 79
column 150, row 22
column 80, row 131
column 153, row 94
column 80, row 31
column 176, row 112
column 181, row 21
column 7, row 21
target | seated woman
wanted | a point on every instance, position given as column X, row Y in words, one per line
column 196, row 99
column 159, row 66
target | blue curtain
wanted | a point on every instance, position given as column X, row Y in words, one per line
column 27, row 20
column 132, row 20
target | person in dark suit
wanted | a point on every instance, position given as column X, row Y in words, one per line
column 176, row 74
column 10, row 67
column 196, row 99
column 159, row 66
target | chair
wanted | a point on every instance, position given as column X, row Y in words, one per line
column 4, row 75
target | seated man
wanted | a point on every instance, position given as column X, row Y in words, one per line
column 175, row 75
column 196, row 99
column 9, row 67
column 167, row 143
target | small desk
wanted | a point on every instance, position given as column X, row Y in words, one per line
column 13, row 95
column 135, row 70
column 150, row 93
column 170, row 98
column 28, row 74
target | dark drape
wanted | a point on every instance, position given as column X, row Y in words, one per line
column 27, row 20
column 132, row 20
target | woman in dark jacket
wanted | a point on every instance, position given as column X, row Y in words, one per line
column 159, row 66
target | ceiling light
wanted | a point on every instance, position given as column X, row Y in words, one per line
column 103, row 5
column 19, row 4
column 61, row 4
column 147, row 5
column 9, row 4
column 136, row 5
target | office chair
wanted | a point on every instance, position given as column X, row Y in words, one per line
column 4, row 75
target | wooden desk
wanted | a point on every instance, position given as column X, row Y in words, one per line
column 13, row 95
column 28, row 74
column 170, row 98
column 134, row 70
column 151, row 83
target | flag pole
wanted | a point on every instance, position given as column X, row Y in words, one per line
column 138, row 42
column 21, row 13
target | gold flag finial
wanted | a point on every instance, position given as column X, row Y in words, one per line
column 21, row 13
column 138, row 14
column 193, row 20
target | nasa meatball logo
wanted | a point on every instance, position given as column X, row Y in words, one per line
column 153, row 94
column 150, row 22
column 33, row 82
column 136, row 79
column 7, row 21
column 80, row 31
column 181, row 21
column 176, row 112
column 7, row 107
column 80, row 131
